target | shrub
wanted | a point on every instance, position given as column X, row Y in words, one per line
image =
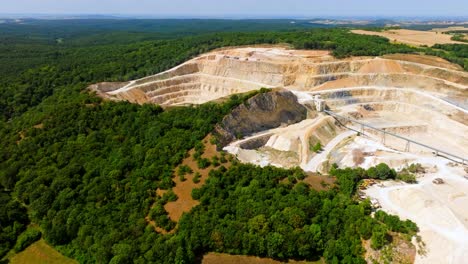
column 395, row 224
column 416, row 168
column 292, row 179
column 407, row 174
column 157, row 211
column 27, row 238
column 196, row 194
column 199, row 147
column 203, row 163
column 317, row 147
column 299, row 173
column 183, row 170
column 381, row 171
column 196, row 177
column 223, row 159
column 213, row 141
column 196, row 155
column 215, row 161
column 379, row 237
column 169, row 196
column 182, row 178
column 164, row 222
column 406, row 177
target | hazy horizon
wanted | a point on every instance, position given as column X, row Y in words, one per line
column 239, row 9
column 230, row 17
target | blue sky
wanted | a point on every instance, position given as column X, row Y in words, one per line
column 241, row 8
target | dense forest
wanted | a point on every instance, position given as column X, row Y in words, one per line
column 13, row 221
column 85, row 171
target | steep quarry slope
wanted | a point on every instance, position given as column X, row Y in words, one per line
column 228, row 71
column 261, row 112
column 411, row 113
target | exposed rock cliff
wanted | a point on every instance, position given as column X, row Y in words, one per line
column 261, row 112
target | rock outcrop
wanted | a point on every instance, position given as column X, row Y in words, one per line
column 261, row 112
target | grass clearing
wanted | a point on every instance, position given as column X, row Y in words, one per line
column 40, row 253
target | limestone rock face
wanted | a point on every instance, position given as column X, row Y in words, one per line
column 261, row 112
column 220, row 73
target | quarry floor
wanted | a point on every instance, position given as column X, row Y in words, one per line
column 440, row 211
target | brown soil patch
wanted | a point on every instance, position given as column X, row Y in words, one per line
column 319, row 182
column 424, row 59
column 358, row 157
column 183, row 189
column 412, row 37
column 160, row 192
column 215, row 258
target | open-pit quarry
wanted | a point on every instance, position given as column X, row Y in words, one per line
column 422, row 100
